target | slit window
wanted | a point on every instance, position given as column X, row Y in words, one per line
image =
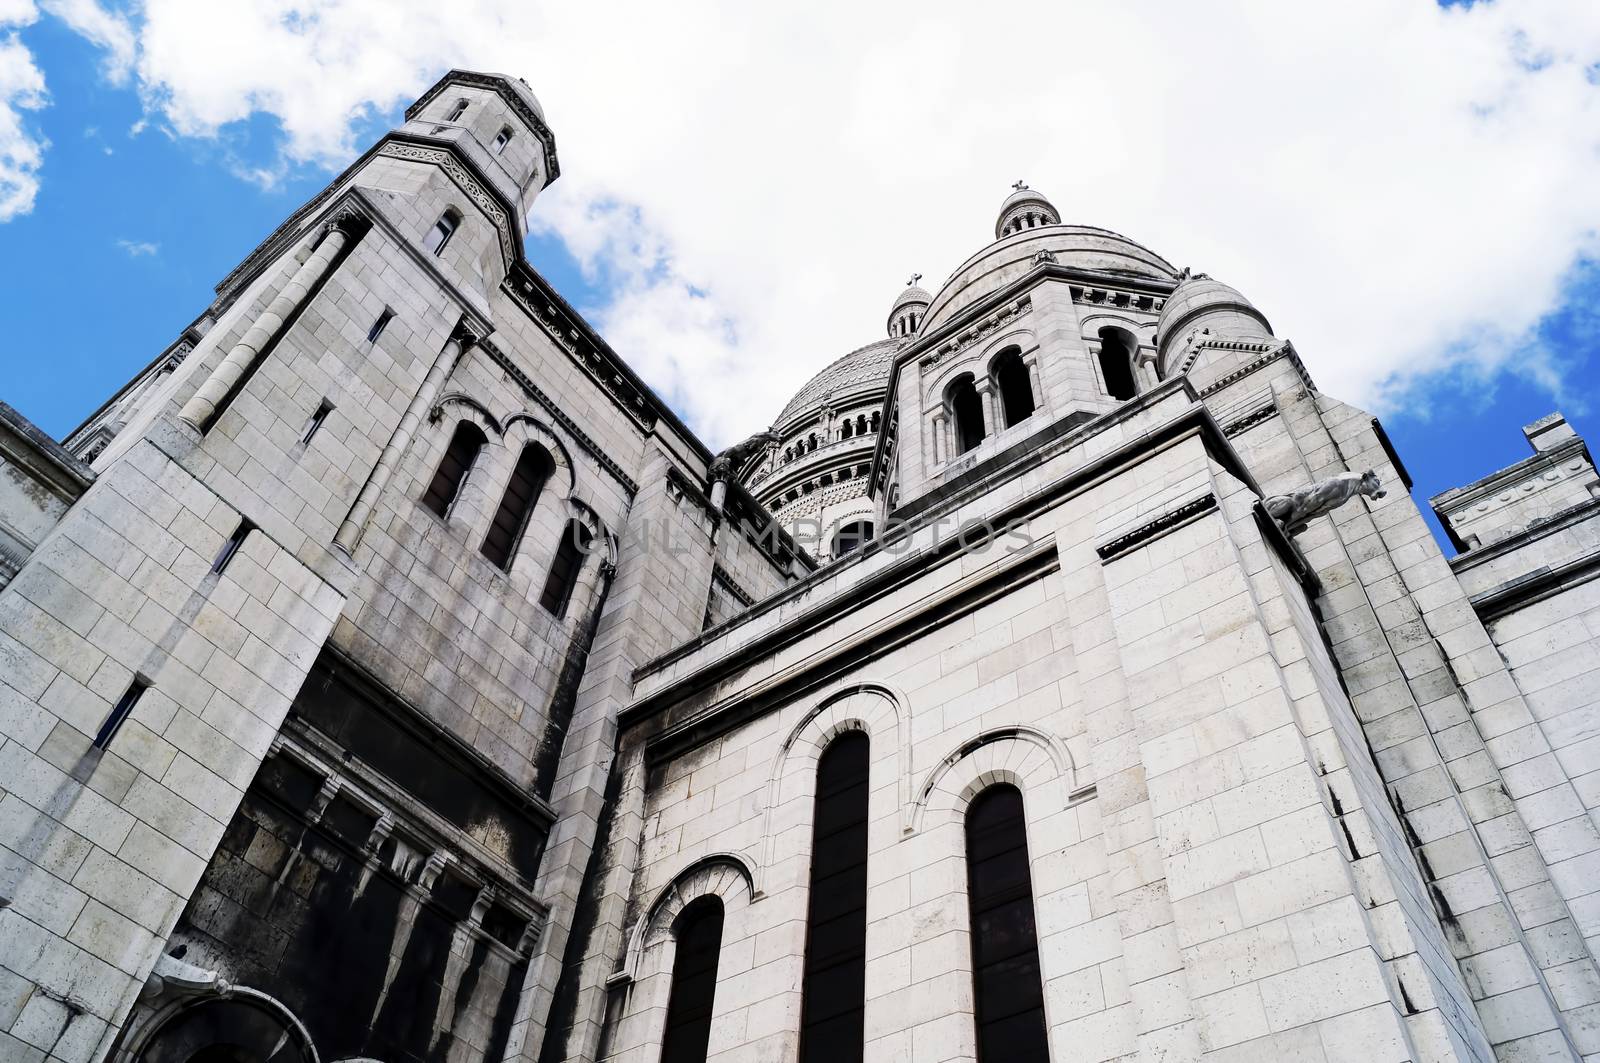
column 120, row 712
column 832, row 1017
column 379, row 325
column 563, row 578
column 442, row 230
column 501, row 139
column 458, row 460
column 694, row 982
column 319, row 415
column 516, row 505
column 231, row 547
column 457, row 111
column 1007, row 989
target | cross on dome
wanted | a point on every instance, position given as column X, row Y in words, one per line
column 1020, row 185
column 912, row 283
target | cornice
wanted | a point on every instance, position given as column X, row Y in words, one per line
column 460, row 170
column 1458, row 497
column 1160, row 526
column 1470, row 559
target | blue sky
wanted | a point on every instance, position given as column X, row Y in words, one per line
column 714, row 272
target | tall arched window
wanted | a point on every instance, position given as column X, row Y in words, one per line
column 463, row 450
column 516, row 505
column 442, row 230
column 851, row 537
column 1005, row 949
column 694, row 982
column 1016, row 391
column 966, row 413
column 1117, row 348
column 831, row 1017
column 846, row 429
column 564, row 569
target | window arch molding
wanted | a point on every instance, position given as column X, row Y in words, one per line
column 1034, row 761
column 978, row 361
column 871, row 707
column 726, row 876
column 539, row 536
column 144, row 1035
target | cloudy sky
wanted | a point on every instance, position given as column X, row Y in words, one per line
column 1409, row 190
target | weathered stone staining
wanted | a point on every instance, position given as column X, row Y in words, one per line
column 492, row 719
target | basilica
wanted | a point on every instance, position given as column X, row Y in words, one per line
column 388, row 675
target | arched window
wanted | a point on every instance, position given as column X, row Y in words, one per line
column 453, row 467
column 502, row 138
column 1117, row 348
column 831, row 1016
column 811, row 441
column 694, row 982
column 516, row 505
column 457, row 111
column 876, row 417
column 861, row 425
column 851, row 536
column 564, row 569
column 441, row 232
column 1005, row 950
column 1016, row 392
column 845, row 430
column 966, row 413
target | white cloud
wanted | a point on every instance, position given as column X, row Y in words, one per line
column 21, row 90
column 139, row 248
column 1401, row 188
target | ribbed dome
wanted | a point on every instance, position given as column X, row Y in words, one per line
column 908, row 310
column 1224, row 310
column 1024, row 208
column 856, row 370
column 912, row 295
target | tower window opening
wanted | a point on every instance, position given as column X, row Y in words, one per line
column 457, row 111
column 379, row 325
column 966, row 413
column 533, row 468
column 563, row 578
column 458, row 460
column 502, row 138
column 844, row 430
column 694, row 982
column 1007, row 989
column 120, row 712
column 231, row 547
column 1016, row 391
column 319, row 415
column 1117, row 347
column 861, row 425
column 851, row 537
column 442, row 230
column 876, row 420
column 833, row 997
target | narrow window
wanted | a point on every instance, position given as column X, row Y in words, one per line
column 457, row 111
column 501, row 139
column 453, row 467
column 876, row 416
column 694, row 982
column 379, row 325
column 317, row 417
column 231, row 547
column 564, row 569
column 851, row 536
column 844, row 431
column 516, row 505
column 442, row 230
column 1117, row 347
column 831, row 1028
column 861, row 425
column 966, row 412
column 1005, row 951
column 1016, row 393
column 120, row 712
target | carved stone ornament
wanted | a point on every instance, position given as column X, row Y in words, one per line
column 1043, row 256
column 1295, row 509
column 727, row 463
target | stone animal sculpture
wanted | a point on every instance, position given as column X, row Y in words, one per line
column 1297, row 508
column 726, row 464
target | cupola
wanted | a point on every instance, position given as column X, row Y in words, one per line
column 908, row 309
column 1024, row 209
column 1202, row 309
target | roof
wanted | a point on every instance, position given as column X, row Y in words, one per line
column 863, row 365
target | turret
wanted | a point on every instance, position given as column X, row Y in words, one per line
column 1024, row 209
column 909, row 308
column 1202, row 311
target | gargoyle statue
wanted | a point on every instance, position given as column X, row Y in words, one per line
column 726, row 464
column 1297, row 508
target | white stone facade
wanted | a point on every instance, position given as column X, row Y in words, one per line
column 322, row 738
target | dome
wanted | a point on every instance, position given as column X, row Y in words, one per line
column 907, row 311
column 1201, row 302
column 856, row 371
column 1024, row 209
column 1083, row 247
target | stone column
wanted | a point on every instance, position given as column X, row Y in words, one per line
column 1145, row 365
column 1032, row 362
column 986, row 397
column 204, row 403
column 355, row 523
column 941, row 446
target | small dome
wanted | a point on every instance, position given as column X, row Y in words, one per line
column 1024, row 208
column 909, row 308
column 860, row 370
column 1198, row 302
